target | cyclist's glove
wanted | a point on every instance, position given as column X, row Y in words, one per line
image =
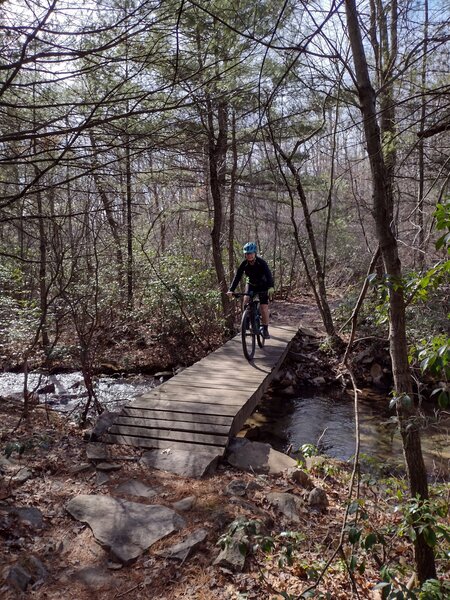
column 271, row 291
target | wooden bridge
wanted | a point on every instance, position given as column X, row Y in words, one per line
column 199, row 409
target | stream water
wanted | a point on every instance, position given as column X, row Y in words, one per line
column 285, row 421
column 69, row 391
column 328, row 419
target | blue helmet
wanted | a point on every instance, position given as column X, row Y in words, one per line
column 250, row 247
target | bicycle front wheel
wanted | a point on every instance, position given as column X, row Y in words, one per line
column 248, row 336
column 259, row 333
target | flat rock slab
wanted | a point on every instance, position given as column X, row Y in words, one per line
column 106, row 466
column 182, row 550
column 94, row 578
column 258, row 457
column 26, row 514
column 134, row 487
column 97, row 451
column 127, row 529
column 289, row 505
column 187, row 463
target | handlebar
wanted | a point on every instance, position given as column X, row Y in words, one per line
column 241, row 295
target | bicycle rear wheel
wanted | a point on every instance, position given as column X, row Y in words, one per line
column 248, row 336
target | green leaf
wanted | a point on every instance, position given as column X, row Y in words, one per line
column 353, row 508
column 369, row 541
column 354, row 534
column 444, row 399
column 243, row 548
column 430, row 536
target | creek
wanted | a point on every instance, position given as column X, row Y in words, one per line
column 327, row 419
column 285, row 421
column 67, row 392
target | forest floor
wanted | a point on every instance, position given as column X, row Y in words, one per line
column 48, row 467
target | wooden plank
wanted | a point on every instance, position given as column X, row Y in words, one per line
column 177, row 416
column 194, row 395
column 152, row 424
column 203, row 393
column 164, row 434
column 195, row 382
column 141, row 442
column 177, row 406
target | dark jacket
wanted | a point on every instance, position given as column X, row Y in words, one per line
column 258, row 275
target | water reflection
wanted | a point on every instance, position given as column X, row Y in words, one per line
column 330, row 419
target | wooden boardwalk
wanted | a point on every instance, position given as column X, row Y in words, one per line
column 207, row 403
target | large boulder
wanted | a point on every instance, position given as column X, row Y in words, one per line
column 127, row 529
column 258, row 457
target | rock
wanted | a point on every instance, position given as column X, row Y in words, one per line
column 185, row 548
column 29, row 571
column 106, row 466
column 101, row 478
column 134, row 487
column 309, row 332
column 318, row 381
column 104, row 422
column 236, row 488
column 253, row 509
column 22, row 475
column 17, row 577
column 37, row 569
column 127, row 528
column 185, row 504
column 376, row 372
column 187, row 463
column 47, row 389
column 300, row 477
column 164, row 374
column 289, row 390
column 97, row 451
column 317, row 499
column 81, row 468
column 6, row 464
column 314, row 461
column 287, row 504
column 258, row 457
column 232, row 556
column 29, row 515
column 94, row 578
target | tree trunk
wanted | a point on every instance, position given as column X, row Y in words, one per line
column 129, row 225
column 217, row 159
column 382, row 213
column 113, row 225
column 233, row 175
column 42, row 271
column 420, row 254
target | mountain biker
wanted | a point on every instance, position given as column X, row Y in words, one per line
column 259, row 281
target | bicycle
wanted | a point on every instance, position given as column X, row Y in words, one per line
column 251, row 325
